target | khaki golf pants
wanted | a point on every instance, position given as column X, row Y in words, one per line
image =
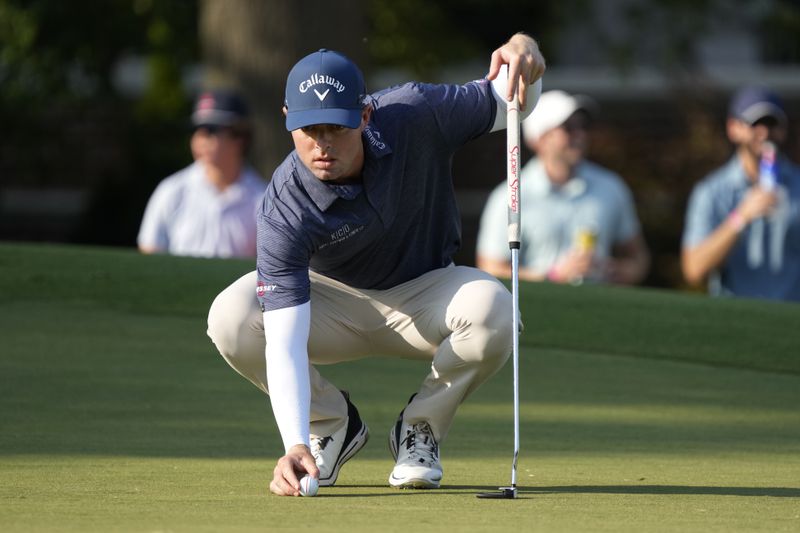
column 457, row 319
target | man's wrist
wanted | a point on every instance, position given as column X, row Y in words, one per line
column 555, row 275
column 736, row 221
column 298, row 447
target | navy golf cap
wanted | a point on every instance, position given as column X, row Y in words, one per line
column 220, row 107
column 324, row 88
column 751, row 104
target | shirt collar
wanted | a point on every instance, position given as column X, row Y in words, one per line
column 736, row 174
column 322, row 194
column 231, row 193
column 542, row 186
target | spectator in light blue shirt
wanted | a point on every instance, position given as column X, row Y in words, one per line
column 742, row 231
column 578, row 219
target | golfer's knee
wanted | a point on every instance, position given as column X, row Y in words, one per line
column 497, row 343
column 234, row 321
column 239, row 337
column 221, row 327
column 487, row 337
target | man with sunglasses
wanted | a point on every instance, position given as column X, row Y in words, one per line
column 579, row 222
column 742, row 231
column 208, row 209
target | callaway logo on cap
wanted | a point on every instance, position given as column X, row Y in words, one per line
column 324, row 88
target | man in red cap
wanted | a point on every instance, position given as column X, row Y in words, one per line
column 208, row 209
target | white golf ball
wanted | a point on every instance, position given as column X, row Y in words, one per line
column 308, row 486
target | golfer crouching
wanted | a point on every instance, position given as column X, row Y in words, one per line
column 356, row 235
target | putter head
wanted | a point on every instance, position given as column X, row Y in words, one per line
column 503, row 493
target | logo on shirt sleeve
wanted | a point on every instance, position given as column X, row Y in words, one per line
column 263, row 288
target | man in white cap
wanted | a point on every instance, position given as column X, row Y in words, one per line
column 579, row 222
column 356, row 235
column 742, row 231
column 208, row 209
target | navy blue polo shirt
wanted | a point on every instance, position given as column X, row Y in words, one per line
column 400, row 222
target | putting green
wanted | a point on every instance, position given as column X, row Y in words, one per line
column 641, row 411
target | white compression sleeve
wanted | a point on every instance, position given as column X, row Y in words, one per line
column 286, row 331
column 499, row 85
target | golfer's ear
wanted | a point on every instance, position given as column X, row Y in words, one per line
column 366, row 112
column 284, row 110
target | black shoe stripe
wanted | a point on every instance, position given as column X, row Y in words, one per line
column 395, row 435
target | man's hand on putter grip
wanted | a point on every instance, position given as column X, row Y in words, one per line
column 525, row 65
column 285, row 479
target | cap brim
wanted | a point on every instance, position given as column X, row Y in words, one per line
column 215, row 118
column 349, row 118
column 536, row 125
column 760, row 110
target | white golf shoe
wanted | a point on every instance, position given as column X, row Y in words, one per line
column 417, row 454
column 332, row 451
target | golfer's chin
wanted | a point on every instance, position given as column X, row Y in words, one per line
column 331, row 176
column 325, row 174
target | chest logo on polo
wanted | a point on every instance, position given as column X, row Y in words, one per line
column 341, row 234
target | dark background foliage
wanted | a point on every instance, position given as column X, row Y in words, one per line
column 85, row 142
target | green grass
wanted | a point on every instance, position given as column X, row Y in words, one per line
column 641, row 411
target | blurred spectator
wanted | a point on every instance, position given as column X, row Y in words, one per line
column 578, row 218
column 209, row 208
column 742, row 230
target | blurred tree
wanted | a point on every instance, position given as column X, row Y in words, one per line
column 781, row 30
column 641, row 39
column 53, row 51
column 74, row 128
column 269, row 38
column 423, row 37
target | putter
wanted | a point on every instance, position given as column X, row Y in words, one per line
column 512, row 179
